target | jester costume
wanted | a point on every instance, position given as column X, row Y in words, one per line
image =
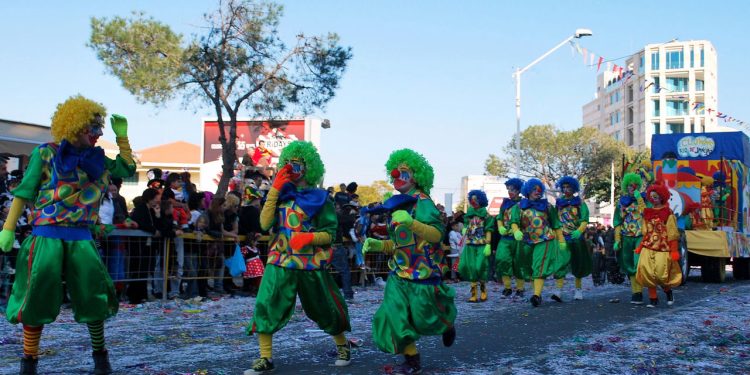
column 574, row 217
column 510, row 259
column 479, row 226
column 65, row 181
column 535, row 222
column 415, row 302
column 304, row 224
column 628, row 221
column 659, row 255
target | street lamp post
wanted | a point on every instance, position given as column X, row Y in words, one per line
column 517, row 76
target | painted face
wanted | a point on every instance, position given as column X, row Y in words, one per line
column 474, row 202
column 632, row 188
column 512, row 192
column 536, row 193
column 92, row 132
column 402, row 179
column 298, row 169
column 567, row 190
column 655, row 198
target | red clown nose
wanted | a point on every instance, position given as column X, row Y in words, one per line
column 395, row 173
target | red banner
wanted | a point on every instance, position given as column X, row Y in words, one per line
column 275, row 135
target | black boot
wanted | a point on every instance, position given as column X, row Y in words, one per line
column 449, row 337
column 411, row 366
column 28, row 365
column 101, row 362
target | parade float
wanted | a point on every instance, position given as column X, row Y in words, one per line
column 707, row 175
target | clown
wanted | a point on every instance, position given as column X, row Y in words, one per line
column 574, row 217
column 304, row 223
column 628, row 221
column 720, row 195
column 65, row 181
column 479, row 226
column 659, row 254
column 707, row 204
column 510, row 258
column 415, row 302
column 534, row 221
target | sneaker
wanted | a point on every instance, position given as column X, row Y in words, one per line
column 652, row 302
column 519, row 293
column 101, row 362
column 411, row 366
column 670, row 297
column 507, row 293
column 535, row 300
column 637, row 299
column 379, row 282
column 28, row 365
column 556, row 296
column 345, row 354
column 260, row 366
column 449, row 337
column 578, row 295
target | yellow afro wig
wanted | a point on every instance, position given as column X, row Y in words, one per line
column 73, row 115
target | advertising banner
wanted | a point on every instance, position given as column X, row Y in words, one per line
column 261, row 141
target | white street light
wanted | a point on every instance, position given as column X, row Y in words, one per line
column 517, row 75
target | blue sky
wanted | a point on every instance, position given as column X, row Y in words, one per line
column 431, row 75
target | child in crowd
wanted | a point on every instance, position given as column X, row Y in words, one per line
column 253, row 264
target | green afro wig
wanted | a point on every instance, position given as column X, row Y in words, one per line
column 72, row 117
column 629, row 179
column 423, row 173
column 306, row 151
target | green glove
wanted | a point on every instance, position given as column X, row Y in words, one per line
column 563, row 246
column 617, row 245
column 463, row 231
column 119, row 125
column 576, row 234
column 502, row 230
column 402, row 217
column 518, row 235
column 372, row 244
column 487, row 250
column 7, row 238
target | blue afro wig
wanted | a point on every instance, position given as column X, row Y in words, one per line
column 530, row 185
column 517, row 183
column 572, row 181
column 480, row 196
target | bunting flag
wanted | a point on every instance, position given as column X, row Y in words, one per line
column 585, row 55
column 599, row 65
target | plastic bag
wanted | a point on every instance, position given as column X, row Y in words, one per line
column 236, row 263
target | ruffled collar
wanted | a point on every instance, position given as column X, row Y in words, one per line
column 508, row 203
column 539, row 204
column 89, row 159
column 564, row 202
column 310, row 200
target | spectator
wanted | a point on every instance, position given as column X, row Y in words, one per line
column 343, row 246
column 457, row 244
column 168, row 228
column 146, row 214
column 341, row 197
column 3, row 174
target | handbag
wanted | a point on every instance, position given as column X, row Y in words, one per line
column 236, row 264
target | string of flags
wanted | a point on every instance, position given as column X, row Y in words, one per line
column 624, row 75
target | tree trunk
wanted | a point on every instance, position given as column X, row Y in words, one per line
column 228, row 155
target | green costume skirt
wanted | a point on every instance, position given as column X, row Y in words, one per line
column 43, row 263
column 511, row 259
column 581, row 259
column 545, row 259
column 318, row 292
column 473, row 264
column 410, row 310
column 627, row 257
column 563, row 262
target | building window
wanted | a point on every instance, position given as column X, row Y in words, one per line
column 699, row 85
column 674, row 127
column 692, row 126
column 642, row 65
column 617, row 135
column 630, row 93
column 654, row 60
column 677, row 108
column 675, row 59
column 629, row 137
column 657, row 128
column 692, row 57
column 130, row 180
column 629, row 118
column 655, row 88
column 701, row 57
column 677, row 84
column 656, row 107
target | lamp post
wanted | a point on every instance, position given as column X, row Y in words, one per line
column 517, row 76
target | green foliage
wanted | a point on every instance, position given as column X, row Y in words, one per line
column 238, row 64
column 374, row 192
column 585, row 153
column 494, row 166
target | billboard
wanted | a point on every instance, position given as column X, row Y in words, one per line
column 271, row 135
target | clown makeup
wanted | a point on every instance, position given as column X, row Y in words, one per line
column 655, row 198
column 567, row 190
column 402, row 179
column 298, row 169
column 536, row 193
column 631, row 188
column 474, row 202
column 512, row 192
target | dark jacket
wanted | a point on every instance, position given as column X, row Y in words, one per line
column 146, row 218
